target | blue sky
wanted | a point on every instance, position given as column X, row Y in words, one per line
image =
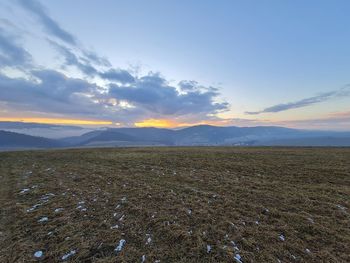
column 174, row 63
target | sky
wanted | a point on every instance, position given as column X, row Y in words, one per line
column 176, row 63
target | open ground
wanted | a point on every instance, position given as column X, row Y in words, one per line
column 200, row 204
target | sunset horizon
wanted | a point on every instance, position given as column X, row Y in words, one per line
column 136, row 72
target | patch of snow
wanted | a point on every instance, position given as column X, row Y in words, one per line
column 38, row 254
column 68, row 255
column 342, row 208
column 189, row 211
column 307, row 251
column 282, row 237
column 208, row 248
column 33, row 207
column 121, row 218
column 114, row 227
column 43, row 219
column 81, row 208
column 57, row 210
column 143, row 259
column 265, row 211
column 238, row 258
column 46, row 196
column 311, row 220
column 123, row 199
column 120, row 245
column 25, row 190
column 149, row 239
column 235, row 247
column 257, row 222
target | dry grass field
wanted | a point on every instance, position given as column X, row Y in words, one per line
column 175, row 205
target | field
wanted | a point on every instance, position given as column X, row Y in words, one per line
column 176, row 205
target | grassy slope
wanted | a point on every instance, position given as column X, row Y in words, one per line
column 227, row 190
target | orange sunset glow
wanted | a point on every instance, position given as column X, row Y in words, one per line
column 164, row 123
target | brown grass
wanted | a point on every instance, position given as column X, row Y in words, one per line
column 306, row 192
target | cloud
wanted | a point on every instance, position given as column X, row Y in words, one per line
column 96, row 59
column 345, row 91
column 123, row 97
column 11, row 53
column 71, row 59
column 49, row 24
column 55, row 30
column 153, row 93
column 118, row 75
column 50, row 92
column 188, row 85
column 85, row 66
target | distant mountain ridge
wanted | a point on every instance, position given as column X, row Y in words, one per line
column 51, row 131
column 208, row 135
column 202, row 135
column 32, row 125
column 10, row 140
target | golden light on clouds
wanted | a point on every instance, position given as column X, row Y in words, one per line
column 165, row 123
column 159, row 123
column 57, row 121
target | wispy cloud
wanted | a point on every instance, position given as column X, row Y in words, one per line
column 53, row 29
column 118, row 75
column 71, row 59
column 49, row 24
column 345, row 91
column 11, row 52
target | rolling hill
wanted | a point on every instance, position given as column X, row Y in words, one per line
column 12, row 140
column 202, row 135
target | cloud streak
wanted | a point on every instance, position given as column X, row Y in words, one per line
column 49, row 24
column 345, row 91
column 11, row 53
column 71, row 59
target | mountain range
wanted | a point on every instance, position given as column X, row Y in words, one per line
column 202, row 135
